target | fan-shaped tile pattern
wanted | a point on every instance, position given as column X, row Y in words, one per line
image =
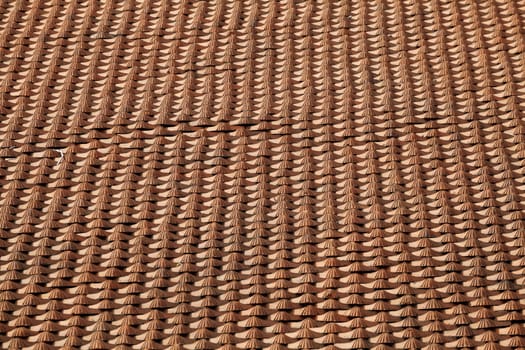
column 262, row 174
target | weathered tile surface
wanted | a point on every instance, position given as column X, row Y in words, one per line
column 249, row 174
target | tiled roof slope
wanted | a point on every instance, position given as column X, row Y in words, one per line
column 252, row 174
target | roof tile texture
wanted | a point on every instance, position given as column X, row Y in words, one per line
column 253, row 174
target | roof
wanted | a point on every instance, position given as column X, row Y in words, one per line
column 252, row 174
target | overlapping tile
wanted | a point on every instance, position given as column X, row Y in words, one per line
column 262, row 174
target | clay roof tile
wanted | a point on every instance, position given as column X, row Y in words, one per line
column 261, row 174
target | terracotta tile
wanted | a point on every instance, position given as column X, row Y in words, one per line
column 261, row 174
